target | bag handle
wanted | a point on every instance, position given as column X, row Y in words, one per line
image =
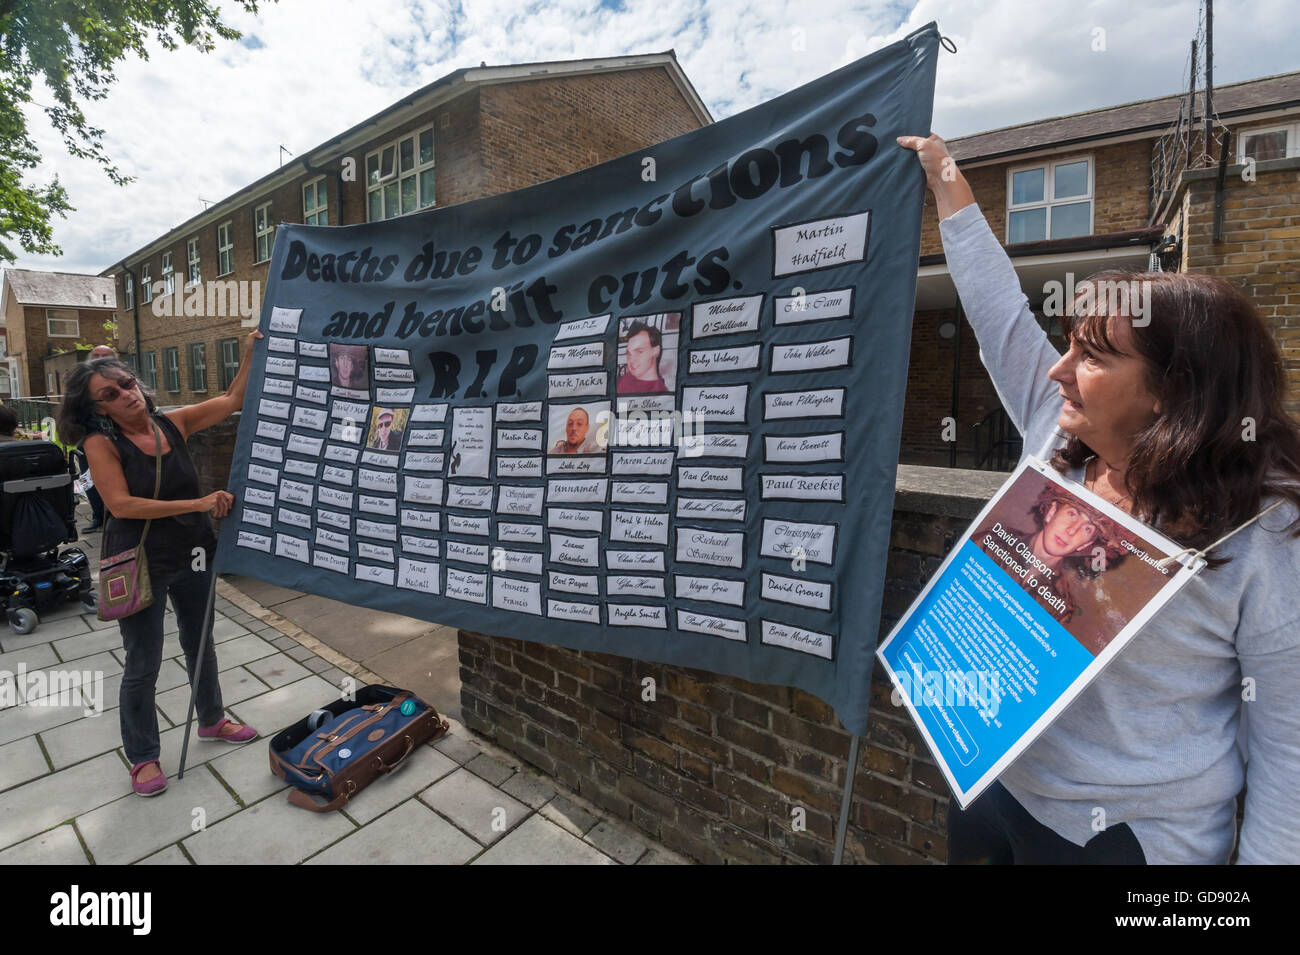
column 388, row 768
column 300, row 799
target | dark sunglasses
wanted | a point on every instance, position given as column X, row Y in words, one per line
column 111, row 394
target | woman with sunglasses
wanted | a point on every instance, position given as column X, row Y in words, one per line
column 123, row 434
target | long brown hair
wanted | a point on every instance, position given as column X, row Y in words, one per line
column 76, row 416
column 1223, row 441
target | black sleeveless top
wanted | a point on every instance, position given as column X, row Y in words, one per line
column 171, row 540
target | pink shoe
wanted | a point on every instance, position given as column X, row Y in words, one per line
column 151, row 787
column 214, row 733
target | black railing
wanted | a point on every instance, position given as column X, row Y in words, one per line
column 998, row 444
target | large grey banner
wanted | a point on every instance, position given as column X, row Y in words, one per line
column 651, row 408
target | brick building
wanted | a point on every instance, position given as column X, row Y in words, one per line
column 473, row 133
column 47, row 315
column 1106, row 189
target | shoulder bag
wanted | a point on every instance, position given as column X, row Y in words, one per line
column 124, row 586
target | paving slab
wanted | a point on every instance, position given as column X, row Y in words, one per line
column 282, row 642
column 411, row 834
column 20, row 761
column 428, row 665
column 422, row 768
column 273, row 711
column 278, row 670
column 268, row 595
column 102, row 662
column 316, row 664
column 457, row 747
column 568, row 815
column 247, row 770
column 358, row 633
column 661, row 856
column 493, row 770
column 272, row 832
column 538, row 841
column 618, row 842
column 58, row 797
column 529, row 788
column 32, row 658
column 171, row 674
column 172, row 855
column 131, row 828
column 83, row 738
column 241, row 650
column 56, row 631
column 237, row 685
column 300, row 652
column 87, row 642
column 223, row 629
column 59, row 846
column 472, row 804
column 19, row 721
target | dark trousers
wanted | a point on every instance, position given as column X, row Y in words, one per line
column 142, row 637
column 997, row 830
column 96, row 507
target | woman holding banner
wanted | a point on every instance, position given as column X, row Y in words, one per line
column 1174, row 413
column 133, row 449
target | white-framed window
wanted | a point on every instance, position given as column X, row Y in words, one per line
column 146, row 284
column 399, row 176
column 62, row 323
column 1050, row 200
column 198, row 367
column 1269, row 142
column 228, row 351
column 51, row 383
column 263, row 232
column 129, row 290
column 193, row 274
column 315, row 202
column 225, row 250
column 149, row 370
column 168, row 274
column 172, row 368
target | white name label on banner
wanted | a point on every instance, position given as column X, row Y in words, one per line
column 826, row 403
column 375, row 575
column 295, row 548
column 790, row 539
column 474, row 496
column 419, row 490
column 638, row 527
column 573, row 610
column 471, row 442
column 797, row 638
column 462, row 585
column 254, row 516
column 255, row 541
column 336, row 498
column 711, row 509
column 813, row 306
column 313, row 418
column 520, row 411
column 512, row 499
column 577, row 356
column 574, row 583
column 574, row 519
column 820, row 244
column 392, row 356
column 637, row 615
column 278, row 386
column 623, row 585
column 301, row 444
column 583, row 328
column 726, row 317
column 583, row 551
column 714, row 626
column 259, row 497
column 576, row 492
column 434, row 413
column 804, row 448
column 334, row 518
column 517, row 467
column 574, row 386
column 715, row 403
column 639, row 492
column 460, row 524
column 327, row 561
column 713, row 479
column 642, row 462
column 420, row 520
column 524, row 596
column 793, row 590
column 270, row 430
column 724, row 359
column 642, row 560
column 273, row 409
column 809, row 356
column 417, row 575
column 285, row 319
column 378, row 481
column 803, row 487
column 313, row 349
column 713, row 589
column 528, row 439
column 509, row 531
column 426, row 546
column 721, row 549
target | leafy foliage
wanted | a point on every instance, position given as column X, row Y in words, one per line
column 73, row 46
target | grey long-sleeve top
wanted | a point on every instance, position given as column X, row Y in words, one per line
column 1154, row 740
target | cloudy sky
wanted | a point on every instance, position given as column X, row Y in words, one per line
column 191, row 126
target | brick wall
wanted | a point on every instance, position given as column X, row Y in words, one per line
column 1260, row 251
column 30, row 340
column 715, row 766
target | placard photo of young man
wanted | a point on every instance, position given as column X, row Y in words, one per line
column 647, row 353
column 387, row 428
column 578, row 428
column 350, row 370
column 1090, row 578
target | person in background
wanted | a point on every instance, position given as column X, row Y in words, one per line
column 79, row 458
column 8, row 424
column 123, row 432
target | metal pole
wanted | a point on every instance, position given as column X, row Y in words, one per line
column 851, row 770
column 1209, row 75
column 208, row 617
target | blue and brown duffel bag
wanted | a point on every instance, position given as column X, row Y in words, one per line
column 337, row 751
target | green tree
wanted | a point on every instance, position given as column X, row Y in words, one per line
column 73, row 46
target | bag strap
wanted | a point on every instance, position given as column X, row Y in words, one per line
column 300, row 799
column 157, row 474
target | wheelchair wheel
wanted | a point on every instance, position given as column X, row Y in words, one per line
column 23, row 620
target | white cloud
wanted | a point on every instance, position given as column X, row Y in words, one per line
column 190, row 125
